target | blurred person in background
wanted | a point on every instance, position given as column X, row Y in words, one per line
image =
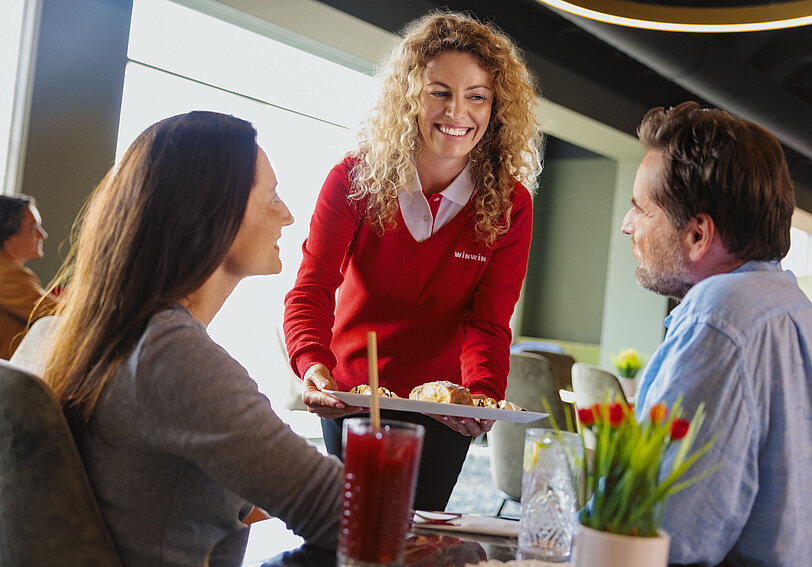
column 22, row 299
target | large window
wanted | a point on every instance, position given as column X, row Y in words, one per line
column 305, row 109
column 11, row 35
column 799, row 258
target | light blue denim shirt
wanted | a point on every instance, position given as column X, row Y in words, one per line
column 742, row 343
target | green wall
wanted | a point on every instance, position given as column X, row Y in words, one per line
column 564, row 292
column 78, row 79
column 633, row 316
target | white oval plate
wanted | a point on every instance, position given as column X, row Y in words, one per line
column 435, row 408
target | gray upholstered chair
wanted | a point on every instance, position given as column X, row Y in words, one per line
column 295, row 385
column 48, row 513
column 561, row 365
column 530, row 379
column 591, row 384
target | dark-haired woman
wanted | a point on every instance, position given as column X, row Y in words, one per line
column 178, row 442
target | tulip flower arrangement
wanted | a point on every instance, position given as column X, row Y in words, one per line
column 623, row 486
column 628, row 363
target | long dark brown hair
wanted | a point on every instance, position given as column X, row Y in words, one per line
column 153, row 231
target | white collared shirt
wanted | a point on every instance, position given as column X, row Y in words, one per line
column 414, row 206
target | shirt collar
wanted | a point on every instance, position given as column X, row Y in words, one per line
column 749, row 266
column 758, row 266
column 458, row 191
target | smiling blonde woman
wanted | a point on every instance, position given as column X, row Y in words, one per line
column 424, row 232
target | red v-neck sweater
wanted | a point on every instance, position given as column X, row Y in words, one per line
column 441, row 308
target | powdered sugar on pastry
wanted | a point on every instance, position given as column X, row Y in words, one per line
column 442, row 391
column 365, row 390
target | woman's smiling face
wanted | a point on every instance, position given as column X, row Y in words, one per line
column 455, row 106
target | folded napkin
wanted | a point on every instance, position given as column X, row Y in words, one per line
column 472, row 523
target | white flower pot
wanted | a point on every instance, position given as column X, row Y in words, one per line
column 594, row 547
column 629, row 386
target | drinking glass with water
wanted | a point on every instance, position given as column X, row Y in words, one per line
column 549, row 494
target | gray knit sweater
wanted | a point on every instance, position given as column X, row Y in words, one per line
column 182, row 444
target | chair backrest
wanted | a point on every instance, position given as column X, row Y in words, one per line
column 590, row 385
column 561, row 365
column 48, row 513
column 295, row 385
column 530, row 379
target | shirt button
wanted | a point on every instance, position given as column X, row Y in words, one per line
column 426, row 218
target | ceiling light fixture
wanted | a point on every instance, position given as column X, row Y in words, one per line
column 765, row 15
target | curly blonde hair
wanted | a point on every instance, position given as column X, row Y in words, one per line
column 510, row 149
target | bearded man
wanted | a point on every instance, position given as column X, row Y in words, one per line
column 710, row 222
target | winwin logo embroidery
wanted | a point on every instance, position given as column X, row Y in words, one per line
column 470, row 256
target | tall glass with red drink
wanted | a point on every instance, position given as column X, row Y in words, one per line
column 380, row 473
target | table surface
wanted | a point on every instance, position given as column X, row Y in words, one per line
column 424, row 548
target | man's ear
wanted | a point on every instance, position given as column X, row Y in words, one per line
column 700, row 232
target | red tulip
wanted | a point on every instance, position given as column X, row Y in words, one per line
column 616, row 414
column 586, row 416
column 658, row 413
column 597, row 412
column 679, row 429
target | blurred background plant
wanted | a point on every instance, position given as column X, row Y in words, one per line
column 628, row 363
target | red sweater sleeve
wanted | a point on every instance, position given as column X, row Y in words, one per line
column 310, row 305
column 485, row 357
